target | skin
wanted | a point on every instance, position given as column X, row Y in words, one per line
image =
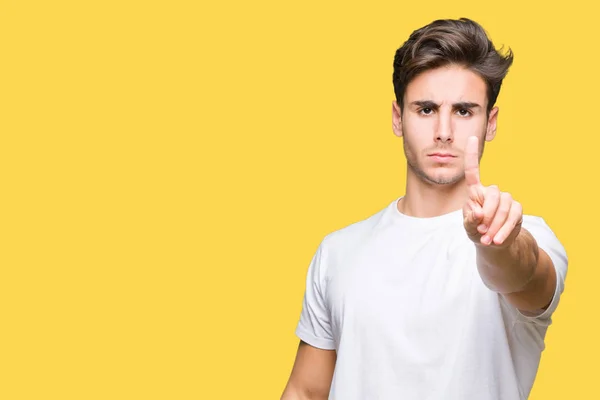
column 445, row 111
column 311, row 375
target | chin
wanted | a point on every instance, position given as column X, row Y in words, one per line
column 446, row 181
column 437, row 175
column 443, row 179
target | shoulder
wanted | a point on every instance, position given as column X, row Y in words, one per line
column 542, row 233
column 353, row 234
column 342, row 244
column 548, row 240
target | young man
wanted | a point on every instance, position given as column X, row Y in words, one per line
column 448, row 291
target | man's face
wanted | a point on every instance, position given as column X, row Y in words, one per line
column 442, row 108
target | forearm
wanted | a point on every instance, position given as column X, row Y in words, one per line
column 509, row 260
column 311, row 375
column 294, row 393
column 509, row 269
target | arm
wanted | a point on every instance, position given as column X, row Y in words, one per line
column 522, row 272
column 509, row 259
column 311, row 374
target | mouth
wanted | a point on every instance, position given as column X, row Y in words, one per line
column 442, row 157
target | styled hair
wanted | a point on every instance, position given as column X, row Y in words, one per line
column 450, row 42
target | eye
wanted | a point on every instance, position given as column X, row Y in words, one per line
column 464, row 112
column 426, row 111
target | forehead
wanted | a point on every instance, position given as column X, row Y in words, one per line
column 447, row 84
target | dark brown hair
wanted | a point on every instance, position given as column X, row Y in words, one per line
column 447, row 41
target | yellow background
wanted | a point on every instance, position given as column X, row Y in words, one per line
column 169, row 168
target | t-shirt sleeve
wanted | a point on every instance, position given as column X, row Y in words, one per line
column 314, row 326
column 547, row 241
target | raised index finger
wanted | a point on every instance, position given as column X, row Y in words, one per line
column 472, row 161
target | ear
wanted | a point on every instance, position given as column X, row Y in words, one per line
column 491, row 125
column 396, row 119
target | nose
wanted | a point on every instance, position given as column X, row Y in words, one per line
column 444, row 132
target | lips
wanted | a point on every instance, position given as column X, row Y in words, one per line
column 442, row 158
column 443, row 155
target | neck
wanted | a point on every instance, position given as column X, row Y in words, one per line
column 426, row 200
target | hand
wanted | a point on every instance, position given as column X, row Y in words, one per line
column 491, row 217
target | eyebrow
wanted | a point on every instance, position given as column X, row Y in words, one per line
column 435, row 106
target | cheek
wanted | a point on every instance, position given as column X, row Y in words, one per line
column 470, row 127
column 418, row 124
column 419, row 130
column 475, row 123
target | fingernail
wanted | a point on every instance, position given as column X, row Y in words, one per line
column 486, row 239
column 482, row 228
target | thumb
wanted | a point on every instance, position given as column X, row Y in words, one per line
column 473, row 216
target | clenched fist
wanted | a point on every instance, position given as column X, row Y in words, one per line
column 491, row 217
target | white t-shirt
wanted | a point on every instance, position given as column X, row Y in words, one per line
column 401, row 301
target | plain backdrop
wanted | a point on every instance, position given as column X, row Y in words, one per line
column 168, row 169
